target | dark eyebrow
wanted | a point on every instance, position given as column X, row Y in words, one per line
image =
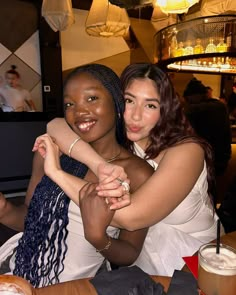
column 130, row 94
column 153, row 99
column 147, row 99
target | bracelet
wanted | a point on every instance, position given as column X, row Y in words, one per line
column 107, row 245
column 72, row 145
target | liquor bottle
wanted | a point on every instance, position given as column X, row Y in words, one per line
column 173, row 46
column 211, row 47
column 180, row 50
column 229, row 41
column 198, row 48
column 188, row 50
column 221, row 46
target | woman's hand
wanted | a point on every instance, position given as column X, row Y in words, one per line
column 92, row 205
column 50, row 152
column 114, row 185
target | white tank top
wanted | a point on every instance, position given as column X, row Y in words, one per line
column 192, row 223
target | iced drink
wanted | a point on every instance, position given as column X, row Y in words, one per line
column 217, row 272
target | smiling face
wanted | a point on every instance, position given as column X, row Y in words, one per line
column 142, row 109
column 89, row 108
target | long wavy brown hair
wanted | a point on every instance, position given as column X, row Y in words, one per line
column 172, row 128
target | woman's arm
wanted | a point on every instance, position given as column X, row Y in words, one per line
column 120, row 251
column 163, row 191
column 83, row 151
column 70, row 184
column 174, row 179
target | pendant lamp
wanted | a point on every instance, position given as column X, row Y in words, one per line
column 106, row 20
column 131, row 4
column 58, row 14
column 175, row 6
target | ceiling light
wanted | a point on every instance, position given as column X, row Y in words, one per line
column 175, row 6
column 106, row 20
column 58, row 14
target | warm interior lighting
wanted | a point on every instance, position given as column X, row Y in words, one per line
column 106, row 20
column 175, row 6
column 198, row 45
column 58, row 14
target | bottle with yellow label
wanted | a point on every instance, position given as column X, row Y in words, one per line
column 211, row 47
column 198, row 48
column 221, row 46
column 180, row 50
column 188, row 50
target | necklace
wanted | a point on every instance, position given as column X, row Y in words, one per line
column 113, row 158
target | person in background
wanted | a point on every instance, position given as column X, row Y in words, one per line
column 209, row 118
column 232, row 105
column 176, row 200
column 13, row 97
column 209, row 91
column 53, row 247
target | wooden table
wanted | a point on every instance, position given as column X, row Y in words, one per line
column 84, row 287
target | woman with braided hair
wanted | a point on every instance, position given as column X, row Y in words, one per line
column 52, row 247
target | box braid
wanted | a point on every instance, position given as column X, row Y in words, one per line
column 38, row 259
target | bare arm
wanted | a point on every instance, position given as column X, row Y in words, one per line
column 165, row 190
column 126, row 249
column 14, row 216
column 121, row 251
column 162, row 193
column 70, row 184
column 83, row 150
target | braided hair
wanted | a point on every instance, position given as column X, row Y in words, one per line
column 37, row 259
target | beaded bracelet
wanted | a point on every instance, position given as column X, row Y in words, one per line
column 72, row 145
column 107, row 245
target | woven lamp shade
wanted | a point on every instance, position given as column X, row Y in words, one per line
column 58, row 14
column 107, row 20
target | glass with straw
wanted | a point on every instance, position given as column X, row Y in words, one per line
column 217, row 268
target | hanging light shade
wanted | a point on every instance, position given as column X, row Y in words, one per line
column 131, row 4
column 106, row 20
column 175, row 6
column 58, row 14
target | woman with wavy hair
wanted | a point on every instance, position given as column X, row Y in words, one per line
column 176, row 201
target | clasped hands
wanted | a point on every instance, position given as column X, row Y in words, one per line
column 113, row 184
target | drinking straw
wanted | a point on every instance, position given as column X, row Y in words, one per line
column 218, row 237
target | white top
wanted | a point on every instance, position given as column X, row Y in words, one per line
column 14, row 99
column 191, row 224
column 81, row 261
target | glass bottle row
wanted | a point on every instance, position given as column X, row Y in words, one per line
column 177, row 49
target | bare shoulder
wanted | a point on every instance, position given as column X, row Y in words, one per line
column 137, row 169
column 184, row 157
column 187, row 149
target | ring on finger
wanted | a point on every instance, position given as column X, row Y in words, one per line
column 126, row 187
column 120, row 181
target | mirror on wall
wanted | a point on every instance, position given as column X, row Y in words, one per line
column 20, row 54
column 29, row 45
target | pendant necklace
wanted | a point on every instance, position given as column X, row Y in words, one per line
column 113, row 158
